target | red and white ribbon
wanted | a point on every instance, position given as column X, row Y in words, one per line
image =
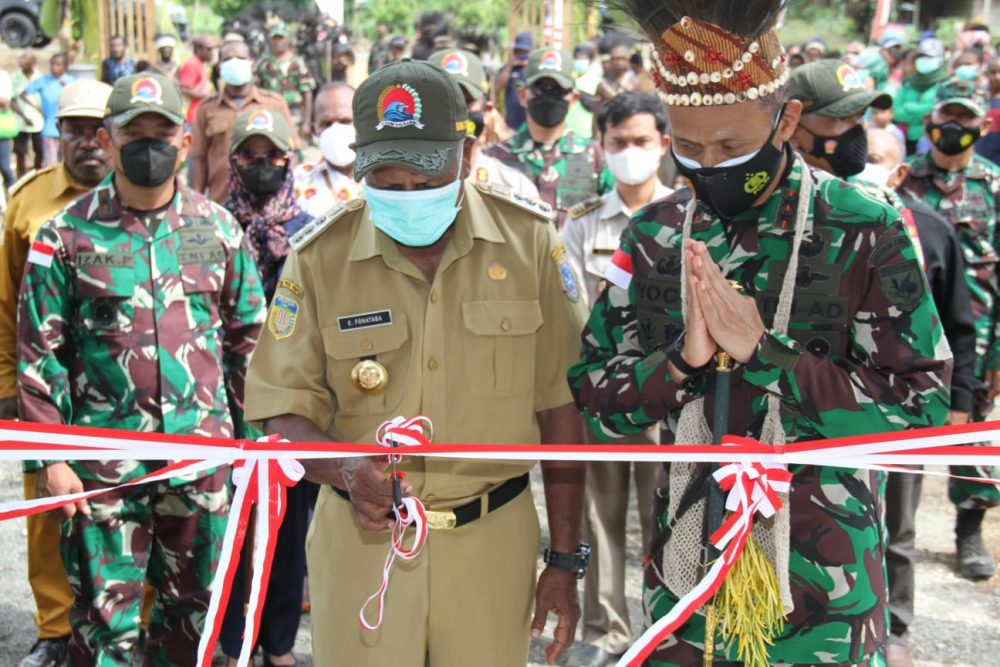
column 394, row 433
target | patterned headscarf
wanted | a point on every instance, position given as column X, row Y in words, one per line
column 262, row 218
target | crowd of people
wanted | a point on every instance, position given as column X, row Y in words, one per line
column 545, row 253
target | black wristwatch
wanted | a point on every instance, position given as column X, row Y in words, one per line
column 675, row 357
column 577, row 563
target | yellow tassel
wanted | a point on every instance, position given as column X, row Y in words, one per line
column 750, row 612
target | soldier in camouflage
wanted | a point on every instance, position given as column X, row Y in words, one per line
column 139, row 310
column 965, row 188
column 863, row 351
column 566, row 169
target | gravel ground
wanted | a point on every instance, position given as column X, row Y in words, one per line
column 956, row 624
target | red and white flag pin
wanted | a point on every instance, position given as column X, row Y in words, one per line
column 41, row 254
column 619, row 269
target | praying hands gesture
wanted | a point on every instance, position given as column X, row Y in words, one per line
column 718, row 316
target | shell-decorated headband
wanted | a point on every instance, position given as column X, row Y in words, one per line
column 700, row 64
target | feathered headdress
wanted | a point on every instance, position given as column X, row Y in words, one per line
column 713, row 52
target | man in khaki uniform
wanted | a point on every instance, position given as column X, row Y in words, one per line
column 433, row 296
column 34, row 199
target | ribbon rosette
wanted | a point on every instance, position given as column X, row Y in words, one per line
column 753, row 488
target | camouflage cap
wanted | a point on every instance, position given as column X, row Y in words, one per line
column 962, row 92
column 148, row 92
column 279, row 29
column 409, row 114
column 549, row 64
column 467, row 69
column 84, row 99
column 833, row 88
column 263, row 123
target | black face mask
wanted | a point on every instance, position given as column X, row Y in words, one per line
column 847, row 153
column 548, row 110
column 262, row 178
column 477, row 120
column 952, row 138
column 728, row 191
column 148, row 163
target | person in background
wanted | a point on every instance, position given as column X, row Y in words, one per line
column 322, row 184
column 637, row 65
column 8, row 130
column 618, row 77
column 633, row 130
column 989, row 144
column 228, row 38
column 941, row 256
column 397, row 49
column 467, row 69
column 208, row 161
column 30, row 119
column 379, row 54
column 119, row 63
column 193, row 76
column 285, row 73
column 510, row 78
column 965, row 189
column 262, row 200
column 166, row 66
column 48, row 87
column 565, row 168
column 33, row 200
column 141, row 316
column 815, row 49
column 580, row 118
column 915, row 98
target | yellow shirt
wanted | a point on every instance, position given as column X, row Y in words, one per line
column 480, row 350
column 34, row 199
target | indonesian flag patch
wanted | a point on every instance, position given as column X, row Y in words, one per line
column 41, row 254
column 619, row 271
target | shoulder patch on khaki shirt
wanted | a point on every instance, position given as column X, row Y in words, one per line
column 536, row 206
column 308, row 234
column 585, row 207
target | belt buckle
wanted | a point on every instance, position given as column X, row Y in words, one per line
column 440, row 520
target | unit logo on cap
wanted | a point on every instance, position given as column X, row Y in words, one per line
column 399, row 106
column 146, row 90
column 260, row 120
column 455, row 64
column 848, row 78
column 550, row 60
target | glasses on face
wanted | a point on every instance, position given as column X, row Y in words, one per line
column 550, row 90
column 273, row 156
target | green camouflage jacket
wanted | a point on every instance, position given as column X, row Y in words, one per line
column 137, row 322
column 289, row 78
column 568, row 173
column 970, row 201
column 864, row 354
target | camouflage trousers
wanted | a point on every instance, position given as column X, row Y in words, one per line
column 974, row 495
column 171, row 536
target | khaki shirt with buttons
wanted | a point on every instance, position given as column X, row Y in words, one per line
column 480, row 350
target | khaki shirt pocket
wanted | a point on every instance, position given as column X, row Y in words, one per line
column 499, row 345
column 346, row 349
column 106, row 307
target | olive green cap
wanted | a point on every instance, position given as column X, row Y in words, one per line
column 549, row 64
column 409, row 114
column 962, row 92
column 833, row 88
column 264, row 123
column 279, row 29
column 148, row 92
column 467, row 69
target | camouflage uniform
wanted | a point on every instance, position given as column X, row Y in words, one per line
column 863, row 354
column 289, row 78
column 970, row 201
column 568, row 173
column 142, row 323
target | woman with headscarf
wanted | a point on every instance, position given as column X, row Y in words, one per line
column 262, row 199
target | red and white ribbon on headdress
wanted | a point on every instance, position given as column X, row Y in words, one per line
column 394, row 433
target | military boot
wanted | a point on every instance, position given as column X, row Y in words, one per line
column 974, row 561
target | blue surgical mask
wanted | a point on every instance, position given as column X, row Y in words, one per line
column 927, row 64
column 236, row 71
column 968, row 72
column 415, row 218
column 581, row 65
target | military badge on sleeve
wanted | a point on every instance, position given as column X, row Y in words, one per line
column 281, row 320
column 902, row 284
column 570, row 288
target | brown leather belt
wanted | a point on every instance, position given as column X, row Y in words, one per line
column 470, row 511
